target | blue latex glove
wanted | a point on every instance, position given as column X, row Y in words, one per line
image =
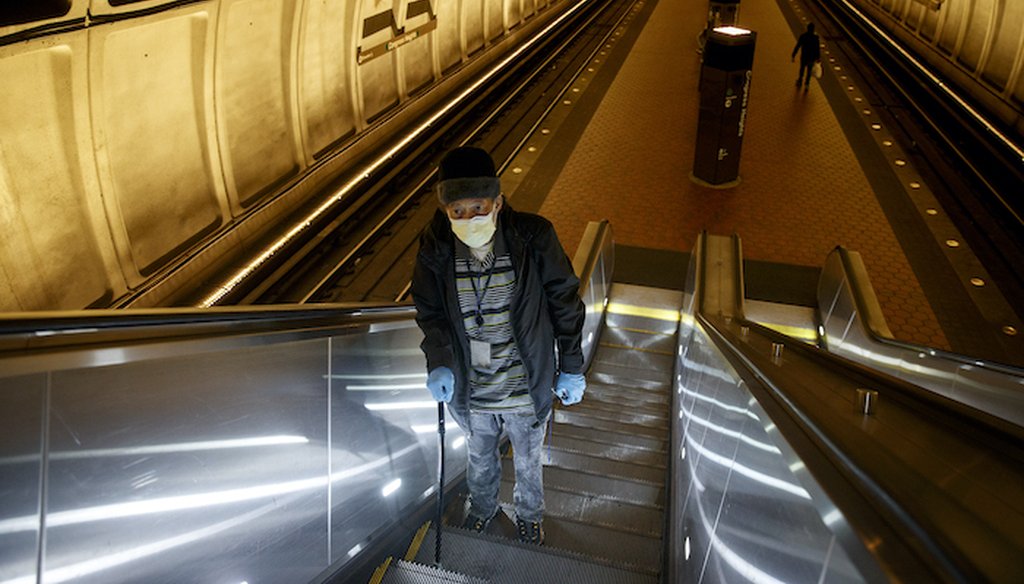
column 569, row 387
column 441, row 383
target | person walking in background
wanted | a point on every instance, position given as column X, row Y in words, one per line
column 495, row 297
column 809, row 48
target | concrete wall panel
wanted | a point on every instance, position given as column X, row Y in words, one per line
column 252, row 96
column 326, row 57
column 145, row 144
column 447, row 35
column 473, row 24
column 495, row 14
column 416, row 54
column 151, row 131
column 378, row 81
column 48, row 251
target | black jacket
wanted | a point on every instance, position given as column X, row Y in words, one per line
column 808, row 46
column 546, row 308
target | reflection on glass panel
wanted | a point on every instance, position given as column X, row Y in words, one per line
column 384, row 434
column 21, row 417
column 746, row 516
column 190, row 469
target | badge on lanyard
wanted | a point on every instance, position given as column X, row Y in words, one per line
column 480, row 353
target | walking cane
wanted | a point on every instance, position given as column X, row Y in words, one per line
column 440, row 484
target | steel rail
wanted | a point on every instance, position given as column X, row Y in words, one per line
column 359, row 249
column 292, row 235
column 913, row 67
column 417, row 192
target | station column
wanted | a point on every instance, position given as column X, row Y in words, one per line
column 724, row 96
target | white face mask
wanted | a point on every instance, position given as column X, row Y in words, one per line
column 477, row 231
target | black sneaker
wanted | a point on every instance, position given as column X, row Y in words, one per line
column 474, row 523
column 530, row 531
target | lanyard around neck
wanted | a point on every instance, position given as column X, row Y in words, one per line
column 479, row 295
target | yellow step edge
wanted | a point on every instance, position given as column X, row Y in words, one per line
column 417, row 541
column 630, row 329
column 378, row 574
column 643, row 311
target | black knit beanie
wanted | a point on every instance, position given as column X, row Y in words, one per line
column 467, row 172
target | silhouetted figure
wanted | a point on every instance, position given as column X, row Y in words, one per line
column 809, row 48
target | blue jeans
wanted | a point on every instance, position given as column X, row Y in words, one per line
column 484, row 474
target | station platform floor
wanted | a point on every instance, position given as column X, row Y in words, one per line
column 818, row 169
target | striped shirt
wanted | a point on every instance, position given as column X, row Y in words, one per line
column 486, row 288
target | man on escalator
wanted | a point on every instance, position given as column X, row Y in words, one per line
column 498, row 303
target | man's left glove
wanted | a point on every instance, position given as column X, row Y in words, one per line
column 569, row 388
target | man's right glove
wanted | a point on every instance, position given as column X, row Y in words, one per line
column 569, row 387
column 441, row 383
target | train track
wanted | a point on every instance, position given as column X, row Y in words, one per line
column 975, row 173
column 366, row 250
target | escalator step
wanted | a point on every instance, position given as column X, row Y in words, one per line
column 601, row 397
column 604, row 436
column 629, row 378
column 616, row 394
column 506, row 561
column 639, row 323
column 616, row 515
column 641, row 359
column 650, row 341
column 626, row 454
column 623, row 415
column 402, row 572
column 611, row 488
column 605, row 467
column 586, row 419
column 646, row 378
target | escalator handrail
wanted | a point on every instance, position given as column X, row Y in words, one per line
column 585, row 272
column 876, row 327
column 22, row 333
column 883, row 509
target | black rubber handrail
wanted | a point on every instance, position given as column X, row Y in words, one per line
column 917, row 548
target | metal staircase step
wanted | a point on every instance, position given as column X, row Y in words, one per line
column 601, row 402
column 626, row 454
column 645, row 398
column 506, row 561
column 616, row 515
column 603, row 436
column 603, row 466
column 640, row 323
column 605, row 487
column 587, row 419
column 656, row 363
column 624, row 415
column 625, row 377
column 651, row 341
column 402, row 572
column 639, row 552
column 617, row 374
